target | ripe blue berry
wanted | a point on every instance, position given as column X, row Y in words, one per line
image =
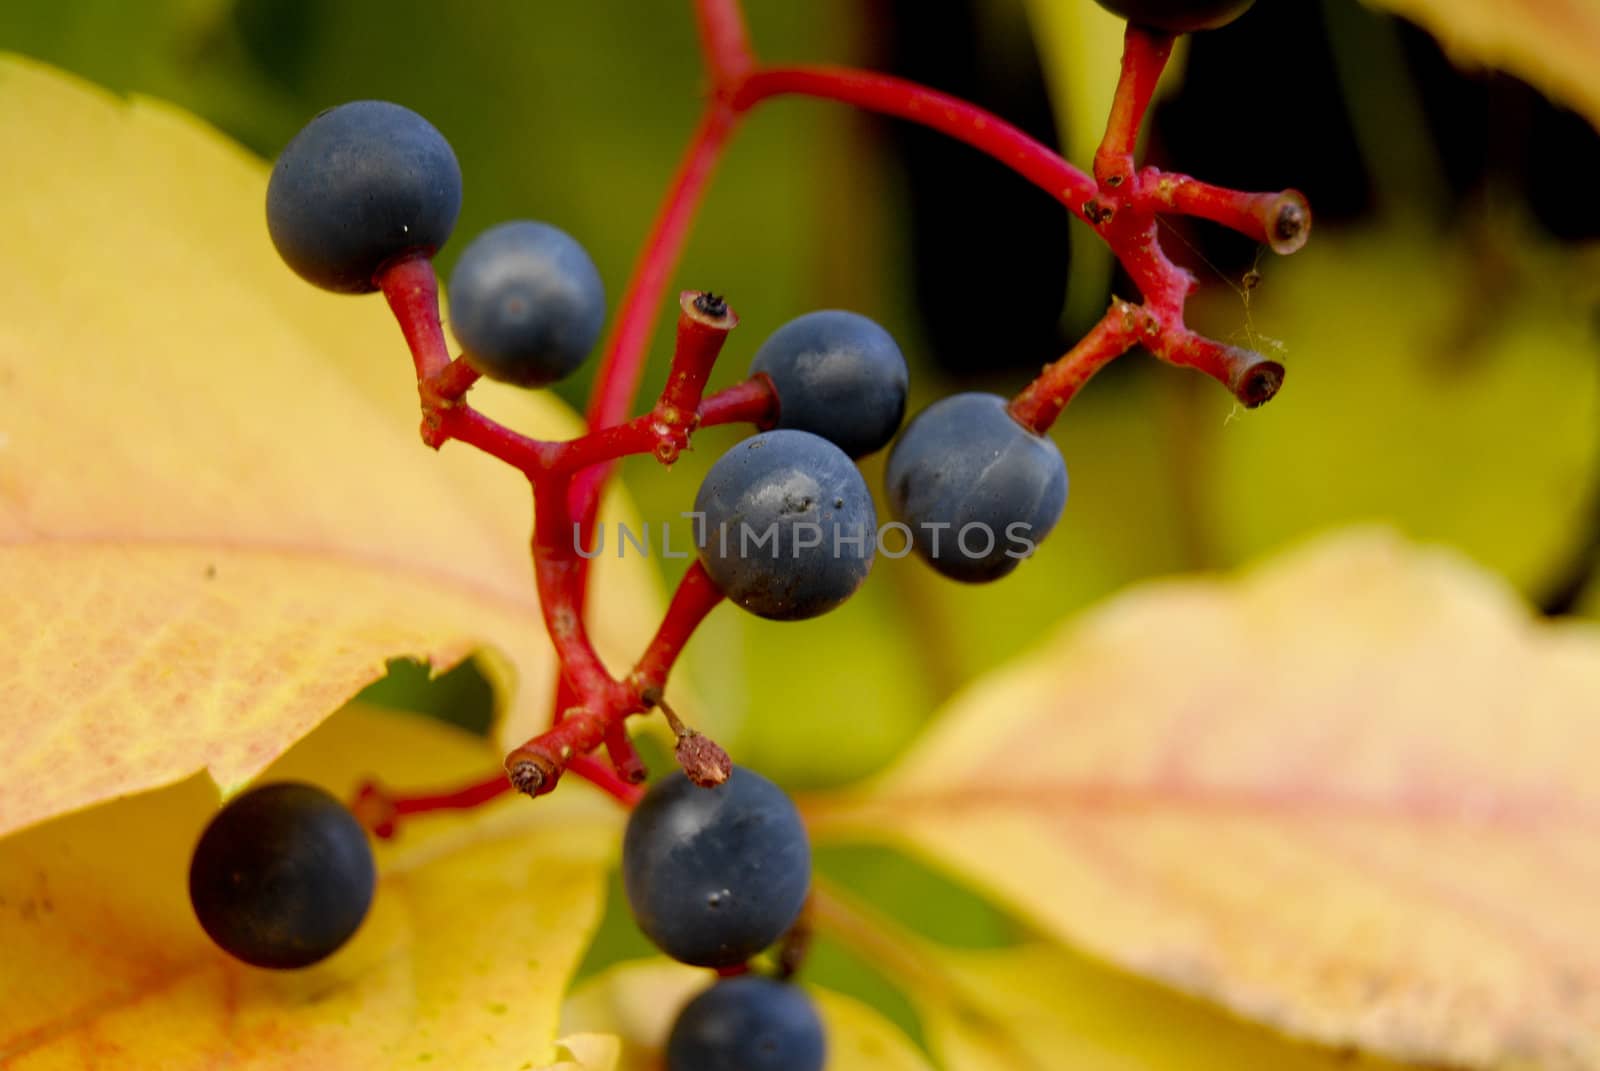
column 1178, row 16
column 361, row 185
column 527, row 303
column 976, row 488
column 748, row 1023
column 788, row 527
column 838, row 375
column 282, row 876
column 714, row 875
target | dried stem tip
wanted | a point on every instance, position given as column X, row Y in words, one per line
column 375, row 809
column 708, row 309
column 1258, row 384
column 703, row 760
column 531, row 774
column 1288, row 222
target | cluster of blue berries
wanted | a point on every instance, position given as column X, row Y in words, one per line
column 789, row 529
column 714, row 876
column 284, row 874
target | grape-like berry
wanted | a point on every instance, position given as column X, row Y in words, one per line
column 283, row 876
column 1178, row 16
column 748, row 1023
column 527, row 303
column 361, row 185
column 787, row 526
column 838, row 375
column 714, row 875
column 975, row 487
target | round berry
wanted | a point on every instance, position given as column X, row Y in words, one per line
column 527, row 303
column 714, row 875
column 361, row 185
column 838, row 375
column 748, row 1023
column 1178, row 16
column 786, row 525
column 976, row 488
column 283, row 876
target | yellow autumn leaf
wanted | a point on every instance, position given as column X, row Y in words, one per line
column 1039, row 1007
column 476, row 926
column 1552, row 44
column 1349, row 795
column 216, row 519
column 587, row 1052
column 639, row 1001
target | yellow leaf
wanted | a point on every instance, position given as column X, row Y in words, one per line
column 587, row 1052
column 1553, row 44
column 1038, row 1007
column 216, row 520
column 1350, row 795
column 477, row 924
column 639, row 1001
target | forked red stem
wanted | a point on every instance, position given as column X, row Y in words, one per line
column 1120, row 202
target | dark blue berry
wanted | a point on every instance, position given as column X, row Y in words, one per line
column 360, row 186
column 714, row 875
column 976, row 488
column 1178, row 16
column 283, row 876
column 788, row 527
column 748, row 1023
column 838, row 375
column 527, row 303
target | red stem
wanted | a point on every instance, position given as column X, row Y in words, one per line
column 620, row 370
column 724, row 41
column 696, row 597
column 604, row 778
column 412, row 290
column 1119, row 203
column 750, row 402
column 965, row 122
column 1144, row 57
column 453, row 380
column 465, row 424
column 624, row 759
column 1038, row 406
column 1281, row 220
column 556, row 564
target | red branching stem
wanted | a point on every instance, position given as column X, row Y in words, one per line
column 750, row 402
column 380, row 810
column 1121, row 203
column 606, row 780
column 624, row 759
column 1251, row 378
column 623, row 363
column 468, row 796
column 1281, row 220
column 724, row 41
column 755, row 401
column 696, row 597
column 953, row 116
column 1144, row 57
column 556, row 565
column 704, row 321
column 452, row 381
column 467, row 425
column 412, row 290
column 1038, row 406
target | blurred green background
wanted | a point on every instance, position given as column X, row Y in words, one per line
column 1439, row 331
